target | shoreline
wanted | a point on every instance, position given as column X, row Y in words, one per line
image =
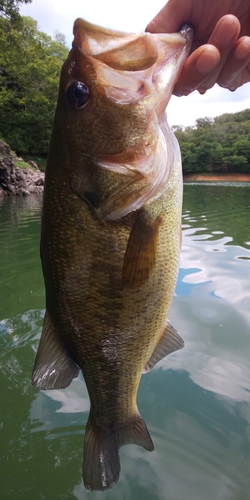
column 217, row 177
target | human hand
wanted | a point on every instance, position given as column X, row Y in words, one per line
column 220, row 51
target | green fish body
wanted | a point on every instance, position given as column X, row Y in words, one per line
column 110, row 237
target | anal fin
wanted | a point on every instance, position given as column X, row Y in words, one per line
column 53, row 367
column 140, row 256
column 169, row 342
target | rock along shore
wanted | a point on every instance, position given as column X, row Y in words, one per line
column 17, row 177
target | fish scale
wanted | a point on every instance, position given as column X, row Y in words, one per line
column 110, row 235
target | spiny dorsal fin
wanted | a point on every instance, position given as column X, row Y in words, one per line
column 169, row 342
column 53, row 367
column 140, row 256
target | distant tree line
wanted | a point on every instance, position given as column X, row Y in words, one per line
column 221, row 144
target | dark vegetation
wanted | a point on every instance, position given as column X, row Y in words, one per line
column 218, row 145
column 30, row 63
column 10, row 9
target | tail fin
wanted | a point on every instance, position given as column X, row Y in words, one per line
column 101, row 465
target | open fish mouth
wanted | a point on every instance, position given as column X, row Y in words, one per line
column 130, row 66
column 134, row 69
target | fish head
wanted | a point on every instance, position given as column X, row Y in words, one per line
column 114, row 89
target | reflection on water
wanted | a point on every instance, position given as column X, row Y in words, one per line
column 196, row 401
column 20, row 270
column 220, row 208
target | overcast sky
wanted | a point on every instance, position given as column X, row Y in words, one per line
column 133, row 16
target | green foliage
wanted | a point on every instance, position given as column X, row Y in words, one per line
column 30, row 63
column 10, row 8
column 23, row 165
column 216, row 145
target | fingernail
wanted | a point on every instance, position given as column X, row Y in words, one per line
column 225, row 34
column 243, row 49
column 202, row 90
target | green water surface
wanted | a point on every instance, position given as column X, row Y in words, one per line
column 196, row 402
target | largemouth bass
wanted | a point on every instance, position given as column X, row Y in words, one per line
column 110, row 235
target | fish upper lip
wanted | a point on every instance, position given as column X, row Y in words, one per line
column 188, row 31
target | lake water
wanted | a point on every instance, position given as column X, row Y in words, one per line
column 196, row 402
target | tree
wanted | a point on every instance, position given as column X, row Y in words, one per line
column 189, row 158
column 218, row 144
column 30, row 63
column 242, row 147
column 236, row 163
column 10, row 8
column 205, row 122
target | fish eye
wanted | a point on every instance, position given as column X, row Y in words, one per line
column 78, row 94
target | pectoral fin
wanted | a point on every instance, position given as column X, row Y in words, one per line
column 53, row 367
column 169, row 342
column 140, row 256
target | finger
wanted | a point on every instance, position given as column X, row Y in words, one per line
column 243, row 77
column 204, row 65
column 223, row 37
column 196, row 69
column 233, row 71
column 225, row 33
